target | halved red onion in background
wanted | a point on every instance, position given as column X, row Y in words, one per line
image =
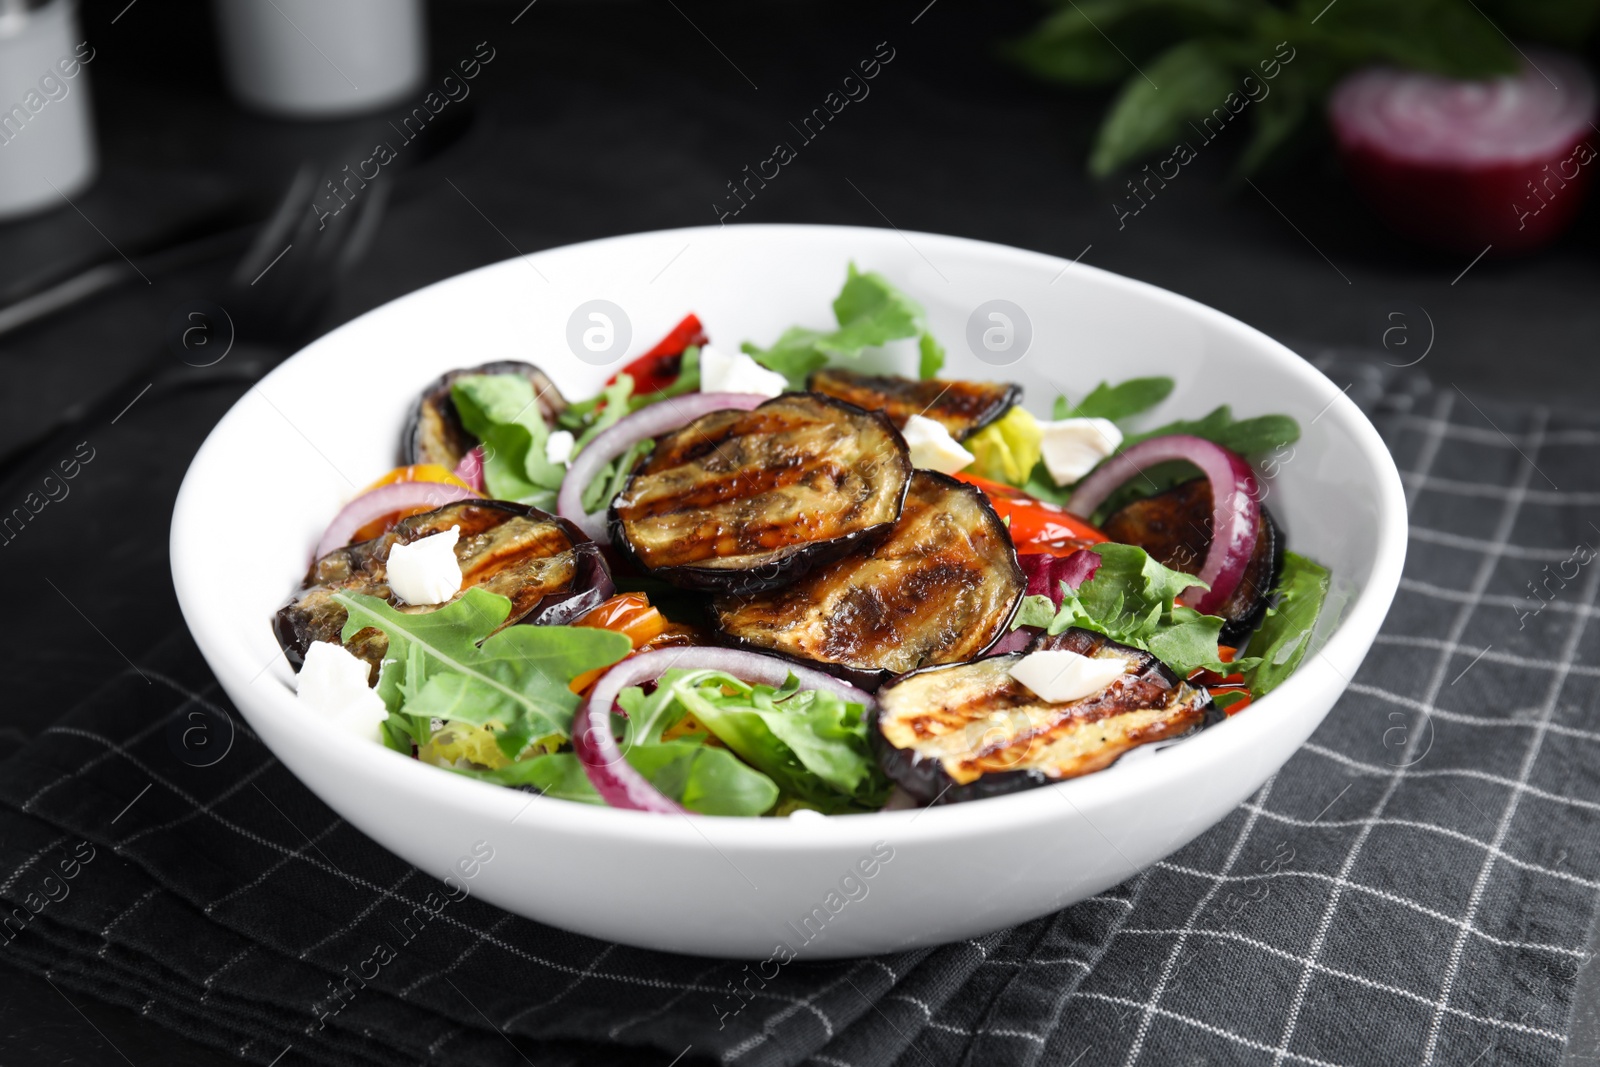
column 1461, row 164
column 662, row 417
column 613, row 777
column 385, row 500
column 1235, row 506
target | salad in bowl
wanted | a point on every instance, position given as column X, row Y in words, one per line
column 769, row 580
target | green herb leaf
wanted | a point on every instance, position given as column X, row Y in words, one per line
column 1281, row 642
column 702, row 778
column 502, row 411
column 1248, row 437
column 616, row 396
column 1117, row 402
column 1185, row 82
column 451, row 664
column 870, row 312
column 1130, row 599
column 812, row 743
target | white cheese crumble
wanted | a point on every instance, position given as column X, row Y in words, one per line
column 425, row 571
column 333, row 683
column 558, row 447
column 1072, row 447
column 722, row 372
column 1059, row 675
column 932, row 447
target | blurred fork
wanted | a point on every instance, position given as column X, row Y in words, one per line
column 270, row 304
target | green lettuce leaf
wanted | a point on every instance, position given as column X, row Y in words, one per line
column 870, row 312
column 450, row 664
column 812, row 743
column 502, row 411
column 1283, row 639
column 702, row 778
column 1130, row 599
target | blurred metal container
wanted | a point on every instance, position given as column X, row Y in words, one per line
column 47, row 147
column 322, row 58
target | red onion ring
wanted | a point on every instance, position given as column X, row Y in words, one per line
column 613, row 777
column 470, row 469
column 386, row 500
column 1235, row 506
column 662, row 417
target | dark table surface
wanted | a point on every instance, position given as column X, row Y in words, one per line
column 605, row 118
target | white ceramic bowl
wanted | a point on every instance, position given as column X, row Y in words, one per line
column 275, row 470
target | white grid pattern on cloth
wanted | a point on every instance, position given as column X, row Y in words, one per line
column 1436, row 682
column 1479, row 886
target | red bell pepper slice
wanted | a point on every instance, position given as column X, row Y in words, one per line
column 659, row 367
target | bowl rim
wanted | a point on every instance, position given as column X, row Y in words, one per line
column 1237, row 738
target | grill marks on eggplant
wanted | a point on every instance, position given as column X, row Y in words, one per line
column 433, row 431
column 742, row 501
column 940, row 588
column 970, row 730
column 1175, row 528
column 962, row 407
column 533, row 559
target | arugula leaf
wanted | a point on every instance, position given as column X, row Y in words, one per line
column 1248, row 437
column 616, row 397
column 1117, row 402
column 502, row 411
column 1185, row 82
column 451, row 664
column 702, row 778
column 870, row 312
column 812, row 743
column 612, row 477
column 1130, row 599
column 1285, row 634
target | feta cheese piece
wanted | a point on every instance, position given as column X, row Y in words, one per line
column 806, row 815
column 333, row 683
column 558, row 447
column 1059, row 675
column 722, row 372
column 425, row 571
column 1072, row 447
column 932, row 447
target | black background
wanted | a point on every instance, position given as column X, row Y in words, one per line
column 602, row 118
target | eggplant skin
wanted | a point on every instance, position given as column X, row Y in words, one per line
column 744, row 501
column 1175, row 528
column 544, row 565
column 433, row 432
column 963, row 408
column 970, row 730
column 940, row 588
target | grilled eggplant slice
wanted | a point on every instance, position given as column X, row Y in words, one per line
column 433, row 432
column 1175, row 528
column 741, row 501
column 548, row 569
column 962, row 407
column 941, row 588
column 970, row 730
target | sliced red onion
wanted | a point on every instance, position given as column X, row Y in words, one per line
column 470, row 469
column 386, row 500
column 1235, row 506
column 662, row 417
column 613, row 777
